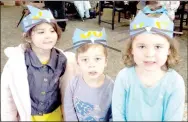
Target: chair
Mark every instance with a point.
(181, 12)
(114, 10)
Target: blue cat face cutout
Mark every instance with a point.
(142, 23)
(37, 16)
(81, 37)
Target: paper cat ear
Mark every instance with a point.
(37, 16)
(76, 36)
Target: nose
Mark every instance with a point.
(91, 64)
(48, 34)
(150, 52)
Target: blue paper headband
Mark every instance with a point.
(81, 37)
(37, 16)
(145, 24)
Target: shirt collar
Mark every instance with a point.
(53, 59)
(56, 59)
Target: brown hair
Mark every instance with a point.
(172, 59)
(54, 25)
(85, 47)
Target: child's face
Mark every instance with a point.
(150, 51)
(92, 62)
(43, 36)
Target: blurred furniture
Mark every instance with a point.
(181, 12)
(8, 3)
(114, 9)
(58, 10)
(117, 6)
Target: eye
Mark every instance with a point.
(40, 32)
(141, 47)
(158, 47)
(97, 59)
(52, 31)
(84, 60)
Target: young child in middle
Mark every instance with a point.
(88, 96)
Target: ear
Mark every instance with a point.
(77, 62)
(106, 62)
(26, 39)
(131, 51)
(23, 34)
(169, 51)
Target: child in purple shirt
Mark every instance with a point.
(88, 96)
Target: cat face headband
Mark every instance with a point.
(37, 16)
(144, 24)
(81, 37)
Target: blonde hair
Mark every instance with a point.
(85, 47)
(172, 59)
(27, 35)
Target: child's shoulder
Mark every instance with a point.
(74, 82)
(59, 52)
(69, 55)
(75, 79)
(126, 77)
(14, 51)
(172, 83)
(127, 71)
(108, 84)
(174, 77)
(65, 53)
(110, 81)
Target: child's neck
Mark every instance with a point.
(43, 55)
(94, 83)
(150, 78)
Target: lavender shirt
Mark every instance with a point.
(83, 103)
